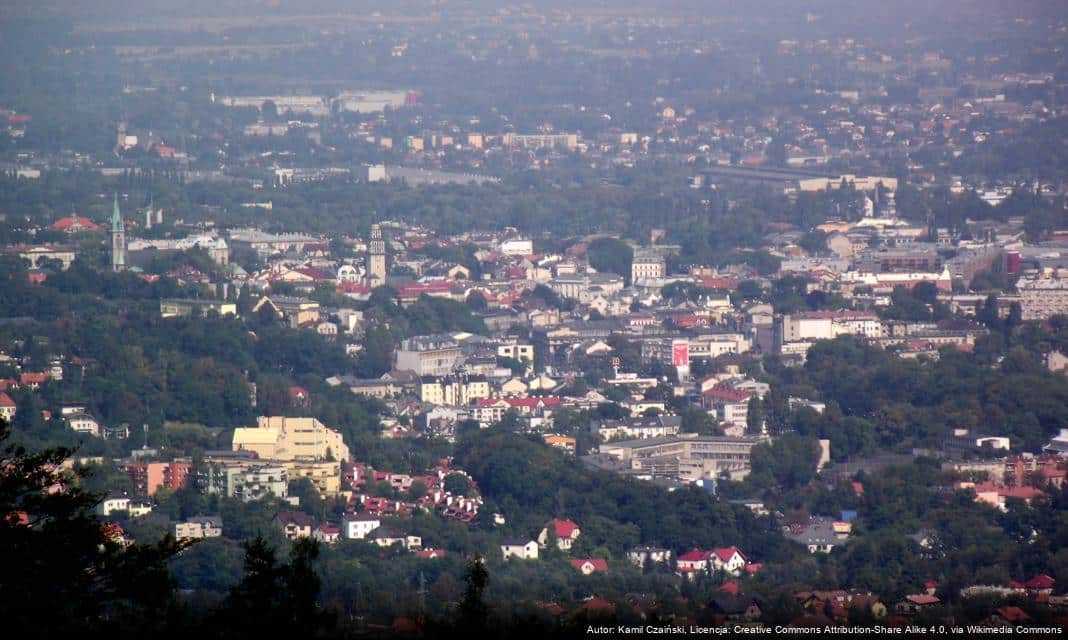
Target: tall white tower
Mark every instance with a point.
(376, 258)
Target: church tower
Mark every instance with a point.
(118, 238)
(376, 258)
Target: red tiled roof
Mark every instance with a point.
(352, 287)
(923, 599)
(726, 553)
(5, 400)
(696, 555)
(35, 378)
(720, 283)
(563, 528)
(599, 564)
(1013, 614)
(429, 554)
(1040, 582)
(596, 603)
(75, 221)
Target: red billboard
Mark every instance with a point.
(680, 353)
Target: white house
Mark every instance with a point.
(7, 407)
(112, 504)
(523, 549)
(84, 423)
(564, 531)
(730, 560)
(359, 526)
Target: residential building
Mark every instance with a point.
(8, 408)
(636, 428)
(83, 423)
(729, 560)
(327, 533)
(565, 532)
(437, 355)
(647, 264)
(685, 456)
(649, 555)
(387, 537)
(587, 566)
(1044, 295)
(113, 503)
(819, 535)
(560, 442)
(453, 390)
(523, 549)
(148, 477)
(516, 350)
(283, 439)
(256, 483)
(294, 524)
(183, 308)
(359, 526)
(540, 141)
(198, 527)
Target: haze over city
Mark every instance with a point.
(429, 318)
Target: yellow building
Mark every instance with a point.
(304, 446)
(281, 438)
(326, 476)
(453, 391)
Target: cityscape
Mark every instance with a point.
(451, 317)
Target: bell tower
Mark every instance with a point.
(376, 258)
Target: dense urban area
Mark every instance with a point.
(351, 319)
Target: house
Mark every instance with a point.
(359, 526)
(913, 604)
(327, 533)
(729, 560)
(294, 524)
(83, 423)
(138, 509)
(388, 536)
(430, 554)
(298, 395)
(733, 607)
(34, 380)
(587, 566)
(564, 531)
(819, 535)
(1009, 617)
(111, 504)
(560, 442)
(648, 555)
(7, 407)
(198, 527)
(693, 562)
(1041, 584)
(523, 549)
(595, 606)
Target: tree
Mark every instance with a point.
(275, 598)
(73, 575)
(611, 255)
(473, 609)
(417, 490)
(754, 417)
(457, 484)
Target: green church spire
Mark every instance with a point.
(118, 238)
